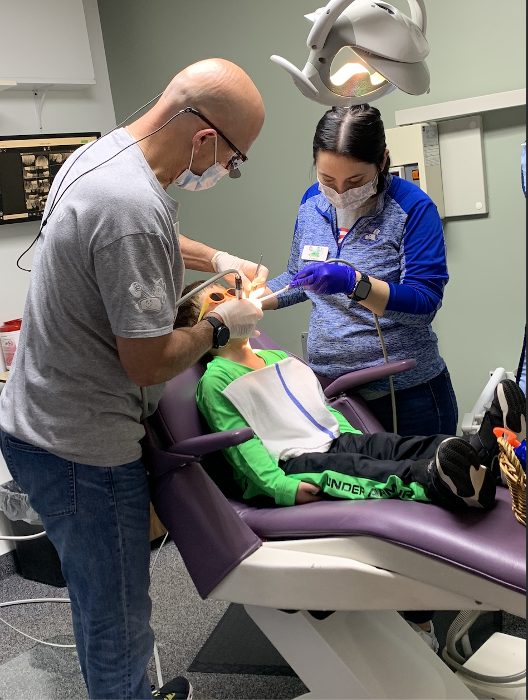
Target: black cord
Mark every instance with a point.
(55, 202)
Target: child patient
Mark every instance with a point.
(304, 450)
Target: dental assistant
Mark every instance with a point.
(391, 231)
(98, 325)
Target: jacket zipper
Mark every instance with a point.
(335, 229)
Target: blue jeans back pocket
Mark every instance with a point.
(48, 480)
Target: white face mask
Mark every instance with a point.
(195, 183)
(351, 199)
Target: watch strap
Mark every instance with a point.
(216, 324)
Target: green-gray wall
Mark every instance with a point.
(477, 48)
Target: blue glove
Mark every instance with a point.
(326, 278)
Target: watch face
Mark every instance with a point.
(223, 336)
(363, 290)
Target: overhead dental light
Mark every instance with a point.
(362, 50)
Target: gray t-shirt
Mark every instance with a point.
(107, 264)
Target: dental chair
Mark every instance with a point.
(352, 564)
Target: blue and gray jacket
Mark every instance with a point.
(403, 244)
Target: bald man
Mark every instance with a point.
(98, 325)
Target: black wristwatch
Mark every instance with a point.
(221, 334)
(362, 288)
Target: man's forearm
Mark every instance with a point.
(157, 360)
(197, 256)
(185, 348)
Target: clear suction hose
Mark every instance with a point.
(459, 630)
(215, 278)
(383, 348)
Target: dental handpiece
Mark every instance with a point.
(238, 286)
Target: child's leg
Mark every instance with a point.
(388, 446)
(358, 467)
(449, 468)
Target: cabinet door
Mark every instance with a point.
(45, 42)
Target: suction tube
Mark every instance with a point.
(384, 350)
(215, 278)
(458, 631)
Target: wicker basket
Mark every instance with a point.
(516, 478)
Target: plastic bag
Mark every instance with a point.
(15, 504)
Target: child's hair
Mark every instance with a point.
(189, 312)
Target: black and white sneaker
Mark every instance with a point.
(507, 410)
(177, 689)
(458, 477)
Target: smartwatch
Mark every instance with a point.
(221, 334)
(362, 288)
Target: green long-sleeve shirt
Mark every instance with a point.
(253, 468)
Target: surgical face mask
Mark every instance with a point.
(195, 183)
(351, 199)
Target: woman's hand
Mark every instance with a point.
(326, 278)
(331, 278)
(307, 493)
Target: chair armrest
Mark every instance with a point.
(366, 376)
(204, 444)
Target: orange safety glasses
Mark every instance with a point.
(214, 300)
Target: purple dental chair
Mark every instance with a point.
(362, 559)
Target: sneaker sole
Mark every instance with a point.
(513, 406)
(475, 486)
(172, 696)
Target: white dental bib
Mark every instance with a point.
(286, 408)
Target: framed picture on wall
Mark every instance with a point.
(28, 166)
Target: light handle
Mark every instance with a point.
(323, 25)
(335, 8)
(419, 14)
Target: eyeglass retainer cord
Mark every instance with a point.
(57, 198)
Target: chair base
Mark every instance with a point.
(359, 656)
(502, 655)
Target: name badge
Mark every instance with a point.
(315, 253)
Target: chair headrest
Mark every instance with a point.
(178, 410)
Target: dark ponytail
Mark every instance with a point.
(356, 132)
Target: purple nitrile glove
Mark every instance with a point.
(326, 278)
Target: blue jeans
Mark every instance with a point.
(427, 409)
(99, 521)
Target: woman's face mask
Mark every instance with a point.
(195, 183)
(353, 198)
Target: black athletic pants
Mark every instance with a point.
(368, 463)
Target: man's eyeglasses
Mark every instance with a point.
(239, 158)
